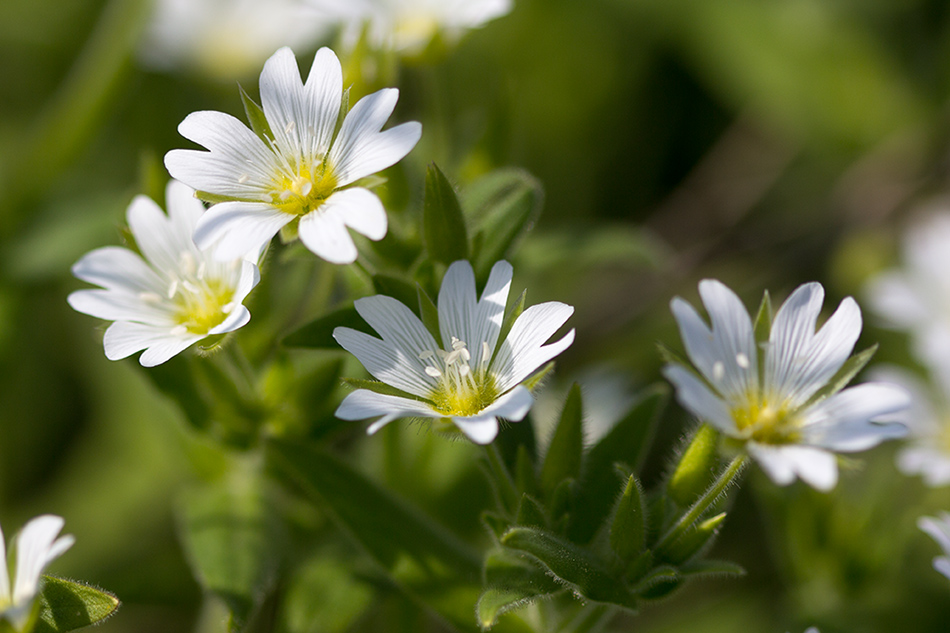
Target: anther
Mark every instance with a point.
(243, 179)
(742, 360)
(718, 370)
(178, 330)
(432, 371)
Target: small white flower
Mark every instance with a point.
(939, 529)
(470, 377)
(916, 299)
(769, 405)
(36, 547)
(927, 452)
(174, 297)
(227, 39)
(407, 26)
(302, 173)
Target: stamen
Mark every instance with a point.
(178, 330)
(285, 195)
(718, 371)
(432, 371)
(243, 178)
(173, 288)
(742, 360)
(150, 297)
(486, 352)
(290, 127)
(426, 354)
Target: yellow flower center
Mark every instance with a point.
(200, 301)
(305, 191)
(765, 422)
(461, 390)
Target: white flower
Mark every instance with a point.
(916, 299)
(927, 452)
(227, 39)
(302, 173)
(36, 547)
(773, 404)
(174, 297)
(470, 377)
(407, 26)
(939, 529)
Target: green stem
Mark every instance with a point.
(503, 483)
(591, 619)
(702, 504)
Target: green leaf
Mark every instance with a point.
(430, 314)
(712, 569)
(255, 117)
(421, 557)
(563, 459)
(396, 288)
(532, 383)
(692, 541)
(233, 541)
(843, 376)
(562, 499)
(510, 317)
(444, 231)
(659, 583)
(627, 442)
(495, 602)
(696, 469)
(525, 477)
(318, 334)
(628, 528)
(505, 205)
(530, 512)
(763, 320)
(66, 605)
(212, 198)
(569, 565)
(511, 582)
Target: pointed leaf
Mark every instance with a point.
(66, 605)
(532, 383)
(318, 334)
(627, 442)
(510, 317)
(562, 499)
(495, 602)
(712, 569)
(530, 512)
(444, 230)
(628, 528)
(511, 582)
(525, 477)
(696, 468)
(849, 370)
(569, 564)
(505, 204)
(255, 117)
(563, 459)
(659, 583)
(429, 313)
(763, 320)
(692, 541)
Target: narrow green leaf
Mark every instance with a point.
(66, 605)
(843, 376)
(510, 317)
(396, 288)
(692, 541)
(696, 468)
(511, 582)
(627, 442)
(232, 541)
(495, 602)
(212, 198)
(532, 383)
(255, 117)
(318, 334)
(530, 512)
(429, 313)
(659, 583)
(446, 238)
(763, 320)
(569, 564)
(505, 205)
(712, 569)
(562, 500)
(563, 459)
(496, 523)
(628, 528)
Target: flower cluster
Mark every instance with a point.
(778, 399)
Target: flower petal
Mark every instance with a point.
(523, 352)
(302, 117)
(816, 467)
(124, 338)
(235, 229)
(113, 305)
(117, 268)
(843, 422)
(4, 571)
(693, 394)
(799, 362)
(37, 547)
(238, 164)
(482, 427)
(160, 240)
(361, 149)
(470, 320)
(892, 296)
(938, 529)
(725, 354)
(363, 403)
(324, 230)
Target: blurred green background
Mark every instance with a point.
(762, 142)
